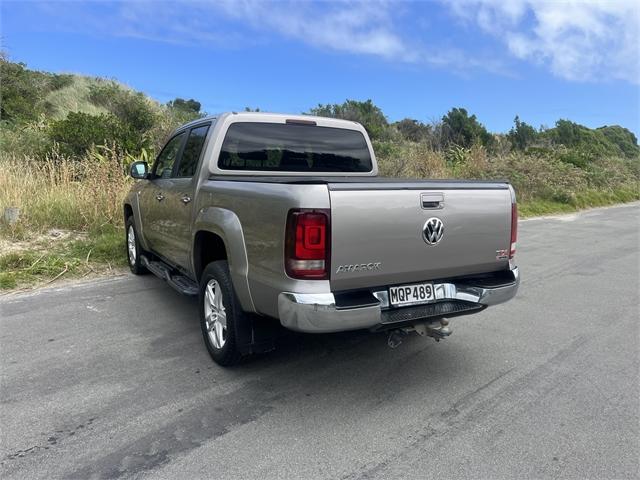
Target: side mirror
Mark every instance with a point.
(139, 170)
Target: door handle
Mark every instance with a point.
(430, 201)
(186, 198)
(159, 196)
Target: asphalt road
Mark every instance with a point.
(111, 379)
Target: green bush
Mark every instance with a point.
(591, 143)
(79, 132)
(23, 92)
(576, 156)
(622, 138)
(20, 92)
(132, 108)
(24, 139)
(61, 81)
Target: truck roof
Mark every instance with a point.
(262, 116)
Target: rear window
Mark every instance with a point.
(293, 148)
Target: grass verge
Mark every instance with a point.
(581, 201)
(47, 260)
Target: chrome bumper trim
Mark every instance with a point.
(317, 312)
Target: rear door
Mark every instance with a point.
(177, 208)
(393, 234)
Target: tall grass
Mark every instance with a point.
(74, 98)
(85, 196)
(57, 192)
(539, 177)
(70, 216)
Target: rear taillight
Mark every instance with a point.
(308, 244)
(514, 229)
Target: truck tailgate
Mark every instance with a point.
(377, 232)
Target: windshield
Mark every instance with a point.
(293, 148)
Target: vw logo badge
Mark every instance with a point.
(433, 231)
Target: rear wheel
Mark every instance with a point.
(134, 251)
(220, 314)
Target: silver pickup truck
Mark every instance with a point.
(281, 220)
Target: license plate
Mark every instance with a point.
(411, 294)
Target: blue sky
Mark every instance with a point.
(542, 60)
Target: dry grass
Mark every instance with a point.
(538, 177)
(75, 98)
(78, 195)
(71, 210)
(70, 217)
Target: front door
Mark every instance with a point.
(179, 199)
(153, 196)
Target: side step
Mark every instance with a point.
(184, 285)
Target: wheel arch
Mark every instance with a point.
(131, 208)
(128, 211)
(217, 235)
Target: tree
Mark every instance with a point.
(413, 130)
(365, 113)
(190, 106)
(464, 130)
(521, 134)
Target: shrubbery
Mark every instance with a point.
(79, 132)
(23, 92)
(31, 124)
(65, 142)
(553, 164)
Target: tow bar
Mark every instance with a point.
(437, 330)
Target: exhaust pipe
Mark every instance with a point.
(436, 330)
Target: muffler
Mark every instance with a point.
(437, 330)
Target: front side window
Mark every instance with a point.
(293, 148)
(192, 151)
(165, 161)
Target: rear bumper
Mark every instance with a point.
(318, 313)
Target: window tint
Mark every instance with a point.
(167, 157)
(293, 148)
(192, 150)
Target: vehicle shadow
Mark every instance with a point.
(357, 363)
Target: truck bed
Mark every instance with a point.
(366, 183)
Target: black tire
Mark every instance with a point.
(227, 353)
(133, 259)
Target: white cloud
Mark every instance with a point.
(361, 27)
(355, 27)
(579, 40)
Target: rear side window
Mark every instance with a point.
(164, 163)
(293, 148)
(192, 151)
